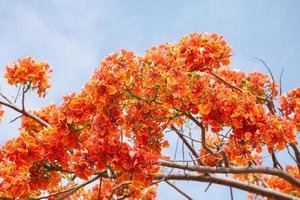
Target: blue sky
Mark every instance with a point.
(73, 36)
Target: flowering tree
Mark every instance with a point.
(112, 133)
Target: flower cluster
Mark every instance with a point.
(116, 124)
(29, 73)
(290, 106)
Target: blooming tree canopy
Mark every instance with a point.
(107, 141)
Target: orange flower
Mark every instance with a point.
(29, 73)
(117, 123)
(290, 105)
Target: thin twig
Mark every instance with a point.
(203, 140)
(227, 83)
(231, 193)
(4, 97)
(207, 187)
(11, 121)
(17, 96)
(297, 155)
(280, 81)
(289, 152)
(178, 190)
(276, 163)
(270, 72)
(192, 139)
(69, 191)
(188, 145)
(236, 88)
(226, 135)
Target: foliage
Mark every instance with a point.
(112, 133)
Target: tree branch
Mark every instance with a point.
(181, 136)
(203, 140)
(99, 189)
(189, 146)
(25, 113)
(237, 88)
(117, 187)
(276, 163)
(229, 182)
(235, 170)
(70, 191)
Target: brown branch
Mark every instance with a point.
(70, 191)
(235, 170)
(178, 190)
(217, 180)
(276, 163)
(226, 82)
(18, 117)
(4, 97)
(117, 187)
(192, 139)
(225, 158)
(23, 97)
(181, 136)
(189, 146)
(297, 155)
(235, 87)
(229, 182)
(203, 140)
(25, 113)
(25, 90)
(73, 190)
(99, 190)
(289, 152)
(231, 193)
(207, 187)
